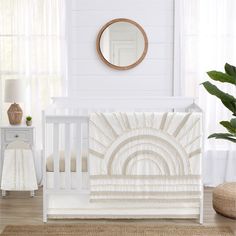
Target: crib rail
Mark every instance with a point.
(82, 107)
(64, 137)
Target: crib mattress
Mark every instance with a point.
(50, 162)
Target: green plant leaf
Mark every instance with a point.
(222, 77)
(225, 136)
(230, 106)
(230, 70)
(233, 122)
(228, 126)
(221, 135)
(228, 100)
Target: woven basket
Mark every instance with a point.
(224, 199)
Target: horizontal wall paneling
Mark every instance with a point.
(90, 77)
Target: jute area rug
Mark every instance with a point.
(108, 229)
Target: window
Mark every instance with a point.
(32, 47)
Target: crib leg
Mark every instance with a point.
(201, 208)
(201, 220)
(45, 205)
(201, 213)
(44, 208)
(32, 193)
(45, 218)
(4, 193)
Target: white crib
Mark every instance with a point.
(66, 191)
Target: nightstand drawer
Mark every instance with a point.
(14, 135)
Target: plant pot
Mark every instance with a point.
(29, 122)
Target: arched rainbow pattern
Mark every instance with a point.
(166, 140)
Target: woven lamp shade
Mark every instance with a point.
(14, 93)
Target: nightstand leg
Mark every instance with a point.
(3, 193)
(32, 193)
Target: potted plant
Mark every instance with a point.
(229, 101)
(224, 195)
(28, 120)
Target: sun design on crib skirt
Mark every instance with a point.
(144, 143)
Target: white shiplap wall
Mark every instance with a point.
(90, 78)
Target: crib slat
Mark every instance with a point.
(79, 157)
(56, 155)
(67, 156)
(87, 144)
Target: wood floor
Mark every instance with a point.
(19, 208)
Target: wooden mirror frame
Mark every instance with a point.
(99, 39)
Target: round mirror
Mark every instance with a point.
(122, 44)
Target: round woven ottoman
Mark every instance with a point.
(224, 199)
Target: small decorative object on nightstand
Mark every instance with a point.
(14, 92)
(9, 136)
(28, 120)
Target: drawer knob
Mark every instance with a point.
(16, 136)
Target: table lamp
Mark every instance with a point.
(14, 93)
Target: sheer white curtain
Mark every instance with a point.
(207, 36)
(32, 48)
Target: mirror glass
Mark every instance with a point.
(122, 44)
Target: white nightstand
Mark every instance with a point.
(10, 134)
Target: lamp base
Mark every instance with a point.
(15, 114)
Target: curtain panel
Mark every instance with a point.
(206, 36)
(33, 48)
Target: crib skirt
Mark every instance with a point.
(18, 171)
